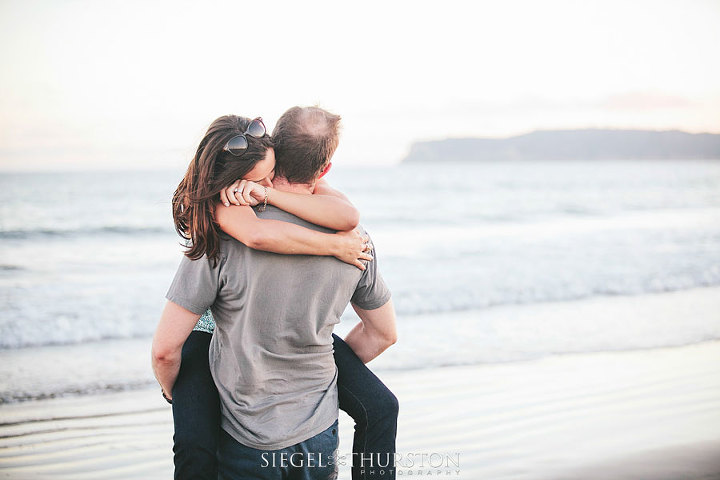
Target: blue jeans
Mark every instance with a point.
(312, 459)
(196, 413)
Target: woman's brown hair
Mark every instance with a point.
(211, 170)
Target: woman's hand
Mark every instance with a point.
(351, 247)
(243, 192)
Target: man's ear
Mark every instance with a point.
(325, 170)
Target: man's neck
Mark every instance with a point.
(282, 184)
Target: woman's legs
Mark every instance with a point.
(196, 412)
(374, 408)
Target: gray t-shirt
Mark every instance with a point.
(271, 355)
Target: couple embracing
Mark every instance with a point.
(244, 349)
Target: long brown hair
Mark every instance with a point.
(211, 170)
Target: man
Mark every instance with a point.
(271, 354)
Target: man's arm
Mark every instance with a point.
(375, 332)
(175, 326)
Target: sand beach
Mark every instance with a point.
(646, 414)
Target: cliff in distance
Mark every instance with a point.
(587, 144)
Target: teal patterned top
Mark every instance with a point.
(206, 323)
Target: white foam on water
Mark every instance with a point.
(454, 244)
(502, 334)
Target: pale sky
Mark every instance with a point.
(120, 84)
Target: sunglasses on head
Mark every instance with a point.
(238, 144)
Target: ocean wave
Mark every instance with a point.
(10, 268)
(31, 234)
(14, 396)
(427, 302)
(504, 334)
(93, 324)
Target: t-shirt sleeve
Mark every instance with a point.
(371, 292)
(195, 284)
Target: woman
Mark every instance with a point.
(235, 147)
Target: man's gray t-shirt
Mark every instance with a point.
(271, 355)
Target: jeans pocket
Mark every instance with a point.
(330, 443)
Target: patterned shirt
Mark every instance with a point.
(206, 323)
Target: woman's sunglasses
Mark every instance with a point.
(238, 144)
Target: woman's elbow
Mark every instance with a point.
(349, 221)
(354, 219)
(257, 240)
(253, 237)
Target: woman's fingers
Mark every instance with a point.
(229, 196)
(238, 185)
(355, 249)
(247, 192)
(252, 200)
(366, 245)
(238, 193)
(365, 253)
(359, 264)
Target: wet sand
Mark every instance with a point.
(647, 414)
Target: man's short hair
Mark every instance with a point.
(305, 140)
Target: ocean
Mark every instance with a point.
(488, 262)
